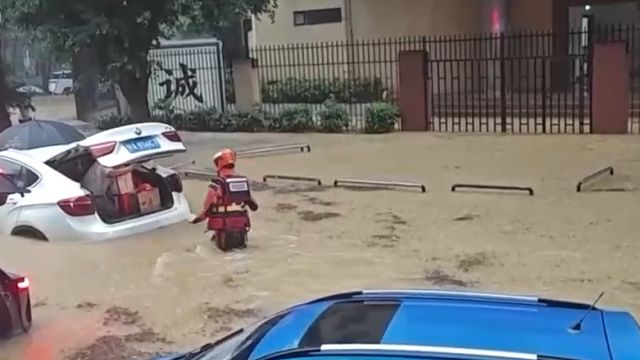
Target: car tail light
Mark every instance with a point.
(175, 183)
(172, 136)
(79, 206)
(23, 283)
(100, 150)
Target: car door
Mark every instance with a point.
(134, 144)
(23, 177)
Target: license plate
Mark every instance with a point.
(141, 144)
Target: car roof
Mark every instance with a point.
(19, 155)
(45, 153)
(444, 319)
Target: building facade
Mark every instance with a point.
(308, 21)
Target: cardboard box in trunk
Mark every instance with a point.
(124, 184)
(149, 201)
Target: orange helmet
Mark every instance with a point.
(225, 158)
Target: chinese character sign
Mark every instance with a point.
(188, 74)
(185, 85)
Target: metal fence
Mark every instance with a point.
(357, 74)
(527, 82)
(510, 83)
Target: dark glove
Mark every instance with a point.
(253, 205)
(198, 219)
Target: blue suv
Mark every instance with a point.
(403, 324)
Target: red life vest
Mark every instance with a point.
(233, 190)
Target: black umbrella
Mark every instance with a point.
(38, 133)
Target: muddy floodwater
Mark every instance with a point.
(171, 290)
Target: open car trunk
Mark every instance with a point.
(149, 192)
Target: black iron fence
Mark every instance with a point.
(356, 74)
(513, 83)
(527, 82)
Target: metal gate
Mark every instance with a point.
(510, 83)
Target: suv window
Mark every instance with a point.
(19, 174)
(61, 75)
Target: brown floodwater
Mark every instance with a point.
(171, 289)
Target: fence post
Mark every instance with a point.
(414, 90)
(503, 85)
(246, 84)
(610, 91)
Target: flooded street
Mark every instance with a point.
(171, 289)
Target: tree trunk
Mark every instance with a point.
(85, 74)
(135, 89)
(5, 119)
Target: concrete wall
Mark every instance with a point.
(389, 18)
(283, 31)
(530, 14)
(372, 19)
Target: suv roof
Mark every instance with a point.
(456, 320)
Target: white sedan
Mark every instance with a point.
(55, 207)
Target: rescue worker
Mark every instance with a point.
(225, 164)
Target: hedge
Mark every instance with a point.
(332, 118)
(316, 91)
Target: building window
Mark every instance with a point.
(315, 17)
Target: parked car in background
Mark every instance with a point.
(413, 324)
(56, 206)
(61, 83)
(15, 304)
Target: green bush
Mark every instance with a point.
(316, 91)
(333, 117)
(205, 119)
(255, 121)
(113, 121)
(293, 119)
(381, 118)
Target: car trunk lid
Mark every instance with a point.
(124, 145)
(134, 143)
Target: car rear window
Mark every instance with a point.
(350, 322)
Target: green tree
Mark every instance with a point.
(9, 97)
(122, 32)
